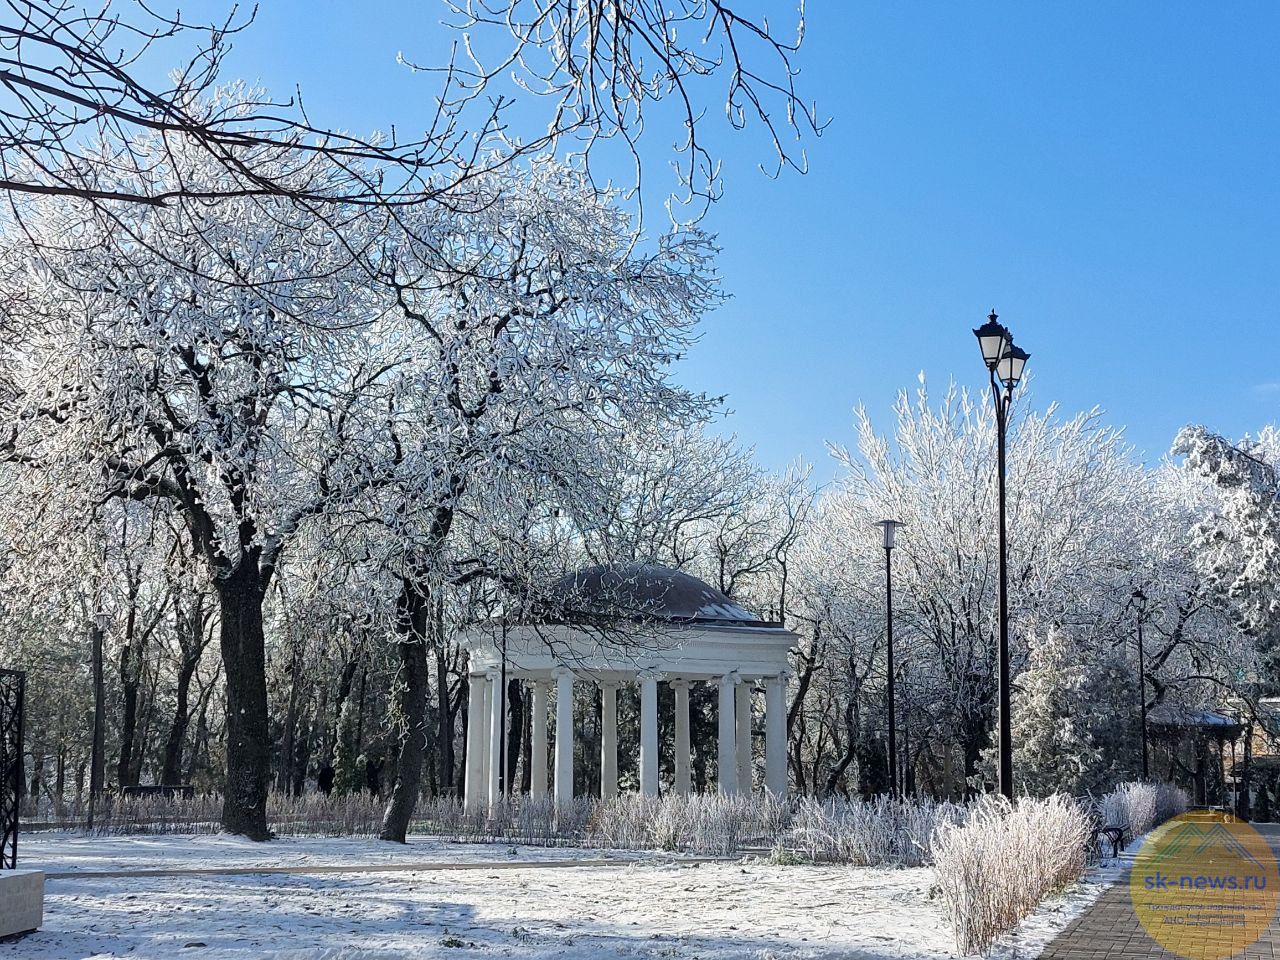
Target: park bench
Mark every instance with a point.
(166, 790)
(1117, 836)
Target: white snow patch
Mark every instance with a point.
(643, 909)
(65, 852)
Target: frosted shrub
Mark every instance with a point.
(314, 814)
(714, 824)
(995, 867)
(625, 823)
(874, 833)
(669, 825)
(880, 832)
(1172, 801)
(707, 824)
(1141, 807)
(198, 814)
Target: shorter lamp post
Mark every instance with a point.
(97, 751)
(1005, 364)
(502, 712)
(1141, 598)
(889, 527)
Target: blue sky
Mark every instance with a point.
(1106, 175)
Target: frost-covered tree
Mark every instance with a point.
(1071, 487)
(1055, 717)
(266, 384)
(74, 77)
(212, 360)
(1238, 538)
(698, 502)
(533, 331)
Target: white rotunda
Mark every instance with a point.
(630, 623)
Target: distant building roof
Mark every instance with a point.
(1191, 718)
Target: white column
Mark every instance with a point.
(727, 760)
(497, 727)
(564, 735)
(475, 737)
(775, 735)
(486, 707)
(743, 711)
(538, 744)
(608, 740)
(648, 735)
(683, 753)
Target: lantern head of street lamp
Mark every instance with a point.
(994, 339)
(1011, 366)
(889, 526)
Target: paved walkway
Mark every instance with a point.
(1109, 930)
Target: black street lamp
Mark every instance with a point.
(1141, 598)
(502, 713)
(1005, 365)
(97, 752)
(889, 527)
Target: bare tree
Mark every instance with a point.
(608, 67)
(75, 76)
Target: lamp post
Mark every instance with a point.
(502, 712)
(908, 772)
(97, 751)
(1005, 365)
(889, 527)
(1141, 598)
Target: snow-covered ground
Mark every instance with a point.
(60, 852)
(508, 906)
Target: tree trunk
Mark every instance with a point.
(37, 773)
(244, 802)
(526, 747)
(60, 784)
(346, 736)
(850, 752)
(515, 731)
(128, 718)
(146, 718)
(975, 737)
(411, 706)
(130, 669)
(171, 774)
(288, 750)
(1244, 776)
(200, 739)
(444, 716)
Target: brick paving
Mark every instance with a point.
(1109, 929)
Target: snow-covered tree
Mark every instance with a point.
(1238, 538)
(1054, 718)
(1071, 484)
(266, 383)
